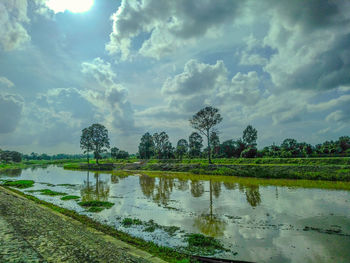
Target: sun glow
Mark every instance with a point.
(74, 6)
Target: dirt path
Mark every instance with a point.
(33, 233)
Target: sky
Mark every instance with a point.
(147, 66)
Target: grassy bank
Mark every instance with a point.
(262, 161)
(328, 173)
(168, 254)
(31, 163)
(234, 181)
(328, 169)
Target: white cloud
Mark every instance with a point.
(5, 83)
(10, 112)
(109, 97)
(196, 78)
(311, 43)
(170, 24)
(12, 24)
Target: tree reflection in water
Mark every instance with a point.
(163, 190)
(197, 188)
(159, 192)
(210, 224)
(11, 172)
(147, 185)
(253, 195)
(98, 191)
(182, 184)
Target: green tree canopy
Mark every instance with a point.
(162, 145)
(250, 135)
(181, 148)
(204, 120)
(195, 144)
(95, 139)
(146, 146)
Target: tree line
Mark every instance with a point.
(95, 139)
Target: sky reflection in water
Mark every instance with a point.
(261, 223)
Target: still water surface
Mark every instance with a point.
(254, 222)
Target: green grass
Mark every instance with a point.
(70, 197)
(249, 181)
(165, 253)
(22, 184)
(149, 226)
(95, 206)
(95, 209)
(46, 192)
(262, 161)
(127, 222)
(328, 173)
(96, 203)
(198, 243)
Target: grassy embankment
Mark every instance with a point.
(329, 169)
(166, 253)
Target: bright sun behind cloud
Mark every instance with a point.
(74, 6)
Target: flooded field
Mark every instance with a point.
(254, 221)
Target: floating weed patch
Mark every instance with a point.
(95, 206)
(48, 184)
(149, 226)
(96, 203)
(19, 184)
(198, 243)
(131, 221)
(70, 197)
(46, 192)
(67, 185)
(95, 209)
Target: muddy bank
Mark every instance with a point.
(47, 236)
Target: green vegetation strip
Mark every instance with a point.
(330, 185)
(33, 163)
(166, 253)
(46, 192)
(262, 161)
(19, 183)
(149, 226)
(95, 206)
(70, 197)
(200, 243)
(327, 173)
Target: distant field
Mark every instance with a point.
(263, 161)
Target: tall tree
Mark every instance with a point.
(204, 120)
(96, 137)
(181, 148)
(250, 135)
(114, 152)
(215, 143)
(195, 144)
(161, 144)
(146, 146)
(85, 142)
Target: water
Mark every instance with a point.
(256, 221)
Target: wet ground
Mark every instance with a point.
(261, 223)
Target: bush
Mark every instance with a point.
(249, 153)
